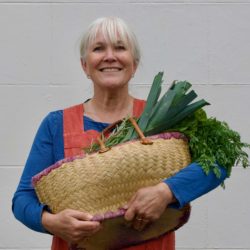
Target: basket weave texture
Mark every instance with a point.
(100, 183)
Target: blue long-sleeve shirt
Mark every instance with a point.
(48, 148)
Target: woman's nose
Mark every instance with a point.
(109, 54)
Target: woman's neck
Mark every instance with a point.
(109, 107)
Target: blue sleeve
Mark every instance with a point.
(192, 182)
(25, 204)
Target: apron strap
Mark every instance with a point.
(75, 138)
(138, 107)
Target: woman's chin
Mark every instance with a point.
(112, 84)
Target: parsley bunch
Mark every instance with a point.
(213, 143)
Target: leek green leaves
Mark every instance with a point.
(174, 105)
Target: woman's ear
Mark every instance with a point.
(84, 66)
(135, 67)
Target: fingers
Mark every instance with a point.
(81, 232)
(131, 210)
(140, 222)
(130, 213)
(88, 226)
(84, 229)
(82, 220)
(72, 225)
(80, 215)
(147, 205)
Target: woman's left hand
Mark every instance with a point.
(148, 204)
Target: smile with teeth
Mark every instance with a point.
(110, 69)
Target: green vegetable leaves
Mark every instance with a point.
(174, 106)
(153, 96)
(212, 142)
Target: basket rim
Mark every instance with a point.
(166, 136)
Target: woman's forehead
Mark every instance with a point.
(109, 38)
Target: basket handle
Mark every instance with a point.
(144, 140)
(103, 148)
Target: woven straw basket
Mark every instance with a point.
(102, 183)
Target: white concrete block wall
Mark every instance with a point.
(205, 42)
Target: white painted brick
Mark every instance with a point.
(25, 44)
(23, 109)
(13, 233)
(194, 233)
(229, 41)
(17, 2)
(228, 213)
(229, 103)
(128, 1)
(26, 248)
(218, 217)
(203, 248)
(184, 1)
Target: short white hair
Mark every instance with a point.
(111, 28)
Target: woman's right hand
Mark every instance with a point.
(70, 225)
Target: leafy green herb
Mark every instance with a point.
(212, 142)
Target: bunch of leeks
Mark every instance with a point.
(173, 107)
(160, 114)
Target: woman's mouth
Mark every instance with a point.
(110, 69)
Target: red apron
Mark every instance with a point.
(75, 139)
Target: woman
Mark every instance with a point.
(109, 56)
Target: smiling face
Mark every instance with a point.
(109, 64)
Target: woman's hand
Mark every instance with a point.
(148, 204)
(70, 225)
